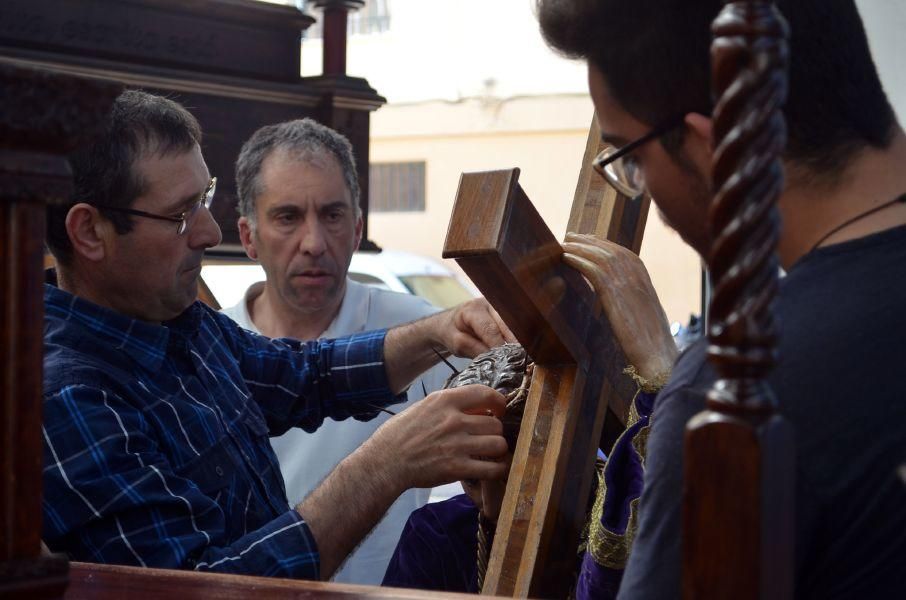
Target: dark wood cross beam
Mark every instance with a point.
(501, 242)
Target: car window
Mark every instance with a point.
(440, 290)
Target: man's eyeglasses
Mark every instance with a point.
(622, 171)
(206, 198)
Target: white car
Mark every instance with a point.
(229, 277)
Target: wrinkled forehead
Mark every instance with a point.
(284, 163)
(318, 157)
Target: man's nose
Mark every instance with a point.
(204, 232)
(314, 241)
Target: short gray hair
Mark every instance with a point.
(304, 139)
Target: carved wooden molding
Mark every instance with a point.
(197, 35)
(37, 129)
(45, 111)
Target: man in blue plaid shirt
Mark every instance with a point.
(157, 409)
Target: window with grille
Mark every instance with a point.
(374, 17)
(396, 187)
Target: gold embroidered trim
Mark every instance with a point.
(633, 417)
(606, 547)
(648, 385)
(640, 444)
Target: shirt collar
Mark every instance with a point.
(144, 342)
(351, 318)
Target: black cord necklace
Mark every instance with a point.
(900, 198)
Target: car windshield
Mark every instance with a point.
(441, 291)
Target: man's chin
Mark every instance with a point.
(184, 299)
(308, 299)
(695, 240)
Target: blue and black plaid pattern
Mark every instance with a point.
(156, 449)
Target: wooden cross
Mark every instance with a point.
(501, 242)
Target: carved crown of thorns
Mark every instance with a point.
(508, 370)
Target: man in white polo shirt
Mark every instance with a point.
(301, 219)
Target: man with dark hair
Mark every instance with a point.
(843, 247)
(157, 409)
(104, 176)
(300, 219)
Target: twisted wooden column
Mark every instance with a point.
(739, 462)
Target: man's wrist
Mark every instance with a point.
(376, 460)
(431, 331)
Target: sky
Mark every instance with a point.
(454, 49)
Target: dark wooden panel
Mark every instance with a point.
(234, 37)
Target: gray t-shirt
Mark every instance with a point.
(841, 382)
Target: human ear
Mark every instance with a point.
(245, 236)
(88, 231)
(697, 144)
(700, 127)
(359, 223)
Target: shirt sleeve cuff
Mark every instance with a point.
(285, 547)
(359, 375)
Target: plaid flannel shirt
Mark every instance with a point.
(156, 449)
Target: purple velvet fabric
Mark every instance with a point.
(623, 480)
(438, 548)
(597, 582)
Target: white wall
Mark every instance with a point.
(885, 22)
(545, 137)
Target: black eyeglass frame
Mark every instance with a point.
(600, 162)
(206, 198)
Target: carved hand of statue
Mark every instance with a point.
(474, 327)
(624, 289)
(448, 436)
